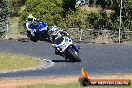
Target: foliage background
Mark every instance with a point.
(3, 16)
(65, 14)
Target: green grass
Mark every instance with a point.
(14, 61)
(73, 85)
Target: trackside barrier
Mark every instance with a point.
(99, 36)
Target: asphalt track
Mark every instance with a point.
(96, 58)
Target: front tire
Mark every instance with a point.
(71, 54)
(32, 38)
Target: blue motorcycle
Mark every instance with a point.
(40, 30)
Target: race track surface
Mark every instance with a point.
(96, 58)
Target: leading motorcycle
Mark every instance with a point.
(40, 30)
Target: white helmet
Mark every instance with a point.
(54, 29)
(30, 17)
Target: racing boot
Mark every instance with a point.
(57, 52)
(32, 33)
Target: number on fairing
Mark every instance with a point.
(66, 39)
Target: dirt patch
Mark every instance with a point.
(103, 39)
(15, 36)
(19, 82)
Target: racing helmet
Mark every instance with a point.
(54, 29)
(30, 17)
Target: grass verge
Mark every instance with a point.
(15, 61)
(59, 81)
(72, 85)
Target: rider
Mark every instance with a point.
(55, 33)
(62, 32)
(29, 22)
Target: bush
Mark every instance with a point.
(3, 16)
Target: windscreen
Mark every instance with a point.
(59, 40)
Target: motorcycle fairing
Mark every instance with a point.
(42, 26)
(64, 44)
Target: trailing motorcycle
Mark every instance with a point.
(40, 30)
(66, 47)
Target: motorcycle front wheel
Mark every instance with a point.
(32, 38)
(72, 54)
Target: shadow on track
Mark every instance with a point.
(23, 40)
(61, 61)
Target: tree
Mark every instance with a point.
(114, 19)
(126, 14)
(68, 5)
(91, 2)
(104, 3)
(76, 19)
(14, 6)
(3, 16)
(50, 11)
(99, 20)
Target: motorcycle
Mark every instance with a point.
(66, 47)
(40, 30)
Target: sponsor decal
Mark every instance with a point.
(86, 81)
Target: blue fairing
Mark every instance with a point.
(76, 47)
(35, 26)
(59, 46)
(40, 25)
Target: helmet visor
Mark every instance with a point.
(30, 19)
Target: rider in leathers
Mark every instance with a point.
(56, 33)
(29, 22)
